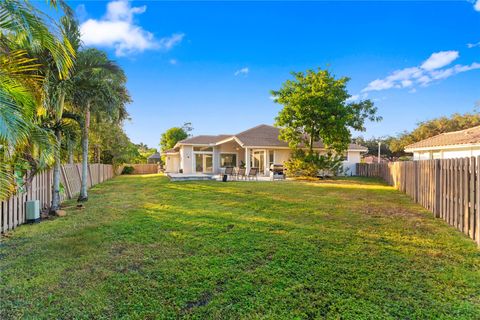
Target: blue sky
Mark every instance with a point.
(214, 63)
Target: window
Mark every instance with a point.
(203, 149)
(344, 156)
(228, 160)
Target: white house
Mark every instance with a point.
(257, 147)
(456, 144)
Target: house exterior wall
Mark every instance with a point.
(281, 156)
(184, 160)
(172, 163)
(447, 153)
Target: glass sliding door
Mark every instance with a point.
(203, 162)
(258, 160)
(207, 163)
(198, 162)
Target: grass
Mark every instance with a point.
(146, 248)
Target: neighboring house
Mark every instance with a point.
(154, 158)
(256, 147)
(457, 144)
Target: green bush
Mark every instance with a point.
(314, 165)
(128, 170)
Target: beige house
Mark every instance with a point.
(257, 147)
(456, 144)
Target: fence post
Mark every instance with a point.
(437, 189)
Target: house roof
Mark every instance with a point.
(455, 138)
(205, 139)
(156, 155)
(260, 136)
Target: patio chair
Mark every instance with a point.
(253, 173)
(240, 174)
(229, 172)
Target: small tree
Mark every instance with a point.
(170, 137)
(316, 107)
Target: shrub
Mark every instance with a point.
(128, 170)
(313, 165)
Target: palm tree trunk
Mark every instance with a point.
(56, 174)
(83, 190)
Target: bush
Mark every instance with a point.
(314, 165)
(128, 170)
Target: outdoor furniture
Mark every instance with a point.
(253, 173)
(240, 173)
(277, 172)
(228, 172)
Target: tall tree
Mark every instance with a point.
(316, 107)
(100, 89)
(24, 33)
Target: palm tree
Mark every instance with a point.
(99, 90)
(23, 30)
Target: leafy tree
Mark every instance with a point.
(316, 107)
(372, 145)
(99, 89)
(25, 145)
(430, 128)
(170, 137)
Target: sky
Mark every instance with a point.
(214, 63)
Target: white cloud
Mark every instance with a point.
(169, 42)
(440, 59)
(430, 71)
(473, 45)
(244, 71)
(357, 97)
(477, 5)
(118, 30)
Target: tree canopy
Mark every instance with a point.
(430, 128)
(316, 107)
(170, 137)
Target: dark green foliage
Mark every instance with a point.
(304, 164)
(315, 107)
(128, 170)
(170, 137)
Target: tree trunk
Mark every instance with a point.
(83, 190)
(56, 174)
(311, 141)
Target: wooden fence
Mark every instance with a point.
(12, 210)
(140, 168)
(450, 188)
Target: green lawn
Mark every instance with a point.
(147, 248)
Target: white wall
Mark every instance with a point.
(186, 156)
(447, 153)
(350, 165)
(172, 163)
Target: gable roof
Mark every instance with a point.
(156, 155)
(204, 139)
(260, 136)
(455, 138)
